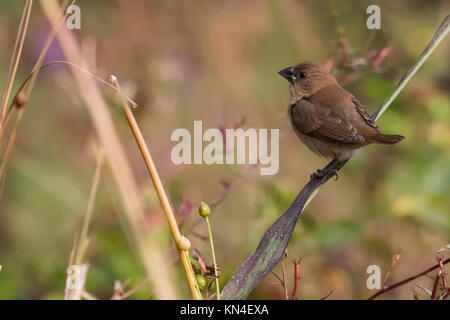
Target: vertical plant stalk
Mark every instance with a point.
(21, 98)
(48, 42)
(15, 58)
(156, 266)
(84, 240)
(81, 245)
(270, 249)
(4, 115)
(214, 258)
(181, 242)
(8, 150)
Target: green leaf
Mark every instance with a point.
(272, 246)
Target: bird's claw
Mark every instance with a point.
(335, 173)
(317, 175)
(320, 173)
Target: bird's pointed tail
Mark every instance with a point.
(387, 138)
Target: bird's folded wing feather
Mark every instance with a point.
(328, 124)
(367, 118)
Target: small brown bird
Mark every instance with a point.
(328, 119)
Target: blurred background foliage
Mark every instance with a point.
(217, 61)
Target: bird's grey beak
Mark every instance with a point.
(287, 73)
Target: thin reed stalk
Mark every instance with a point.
(153, 259)
(181, 242)
(15, 58)
(8, 150)
(24, 92)
(84, 240)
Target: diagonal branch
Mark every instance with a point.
(404, 281)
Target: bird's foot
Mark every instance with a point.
(317, 175)
(320, 173)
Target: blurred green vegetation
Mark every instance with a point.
(217, 61)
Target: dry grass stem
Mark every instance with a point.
(183, 250)
(152, 257)
(84, 240)
(15, 58)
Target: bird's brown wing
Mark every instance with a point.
(367, 118)
(308, 117)
(328, 124)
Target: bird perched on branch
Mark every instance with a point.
(328, 119)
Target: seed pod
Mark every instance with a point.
(19, 100)
(204, 210)
(201, 281)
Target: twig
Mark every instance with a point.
(400, 283)
(283, 272)
(395, 259)
(380, 57)
(435, 286)
(136, 288)
(296, 278)
(36, 70)
(201, 261)
(427, 291)
(329, 294)
(446, 294)
(181, 242)
(279, 279)
(442, 273)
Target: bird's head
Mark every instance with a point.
(307, 78)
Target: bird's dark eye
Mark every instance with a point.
(303, 75)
